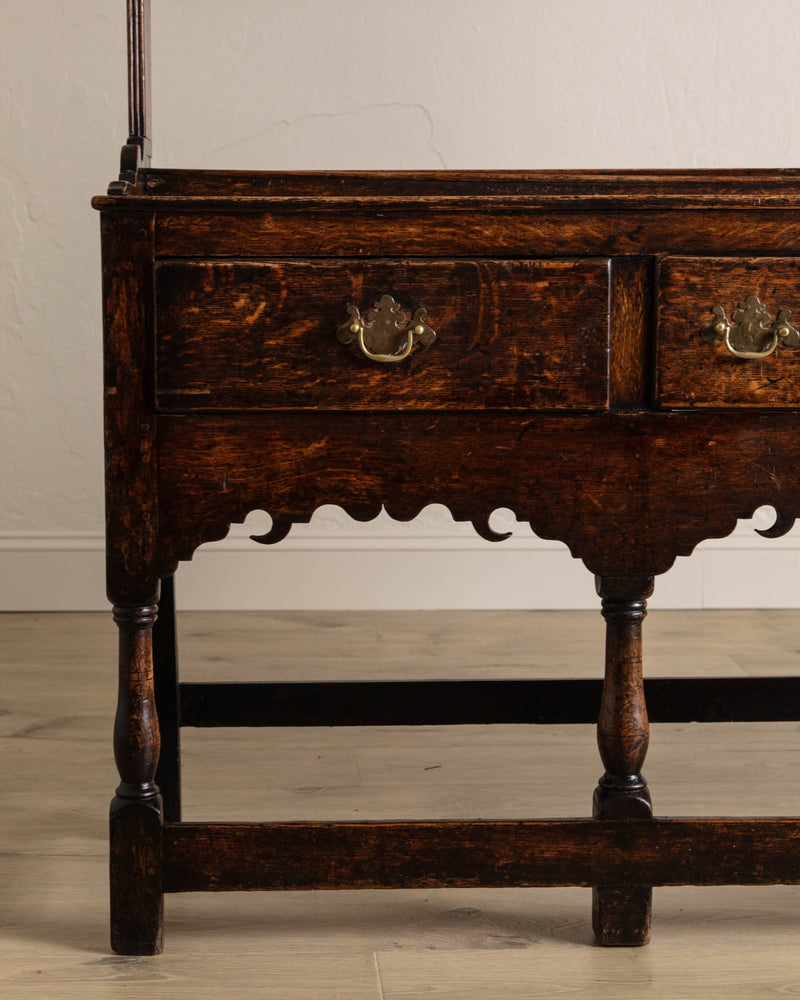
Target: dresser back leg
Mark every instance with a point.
(167, 693)
(621, 915)
(137, 909)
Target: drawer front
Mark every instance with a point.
(508, 335)
(696, 366)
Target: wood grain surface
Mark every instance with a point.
(510, 335)
(411, 227)
(428, 854)
(693, 373)
(626, 492)
(537, 396)
(129, 406)
(628, 188)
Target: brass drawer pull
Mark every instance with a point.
(750, 334)
(391, 336)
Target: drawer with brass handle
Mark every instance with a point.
(725, 332)
(382, 335)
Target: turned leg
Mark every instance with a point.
(165, 673)
(621, 915)
(137, 908)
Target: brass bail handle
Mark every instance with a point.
(384, 334)
(750, 333)
(385, 358)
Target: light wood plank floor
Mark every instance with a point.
(56, 707)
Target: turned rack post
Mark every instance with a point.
(137, 151)
(139, 105)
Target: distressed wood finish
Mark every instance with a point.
(133, 585)
(137, 901)
(623, 729)
(259, 422)
(509, 334)
(640, 189)
(693, 373)
(512, 227)
(630, 361)
(663, 481)
(568, 307)
(621, 914)
(753, 851)
(130, 422)
(166, 689)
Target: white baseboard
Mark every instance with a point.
(396, 570)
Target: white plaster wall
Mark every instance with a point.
(284, 84)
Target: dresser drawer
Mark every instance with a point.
(754, 298)
(508, 334)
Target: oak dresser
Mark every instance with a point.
(609, 355)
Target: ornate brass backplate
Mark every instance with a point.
(385, 333)
(751, 333)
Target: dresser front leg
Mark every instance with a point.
(137, 908)
(621, 915)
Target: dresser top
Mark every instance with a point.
(556, 189)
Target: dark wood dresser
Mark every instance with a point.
(609, 355)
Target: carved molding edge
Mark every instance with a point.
(683, 542)
(282, 523)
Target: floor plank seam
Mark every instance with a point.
(381, 995)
